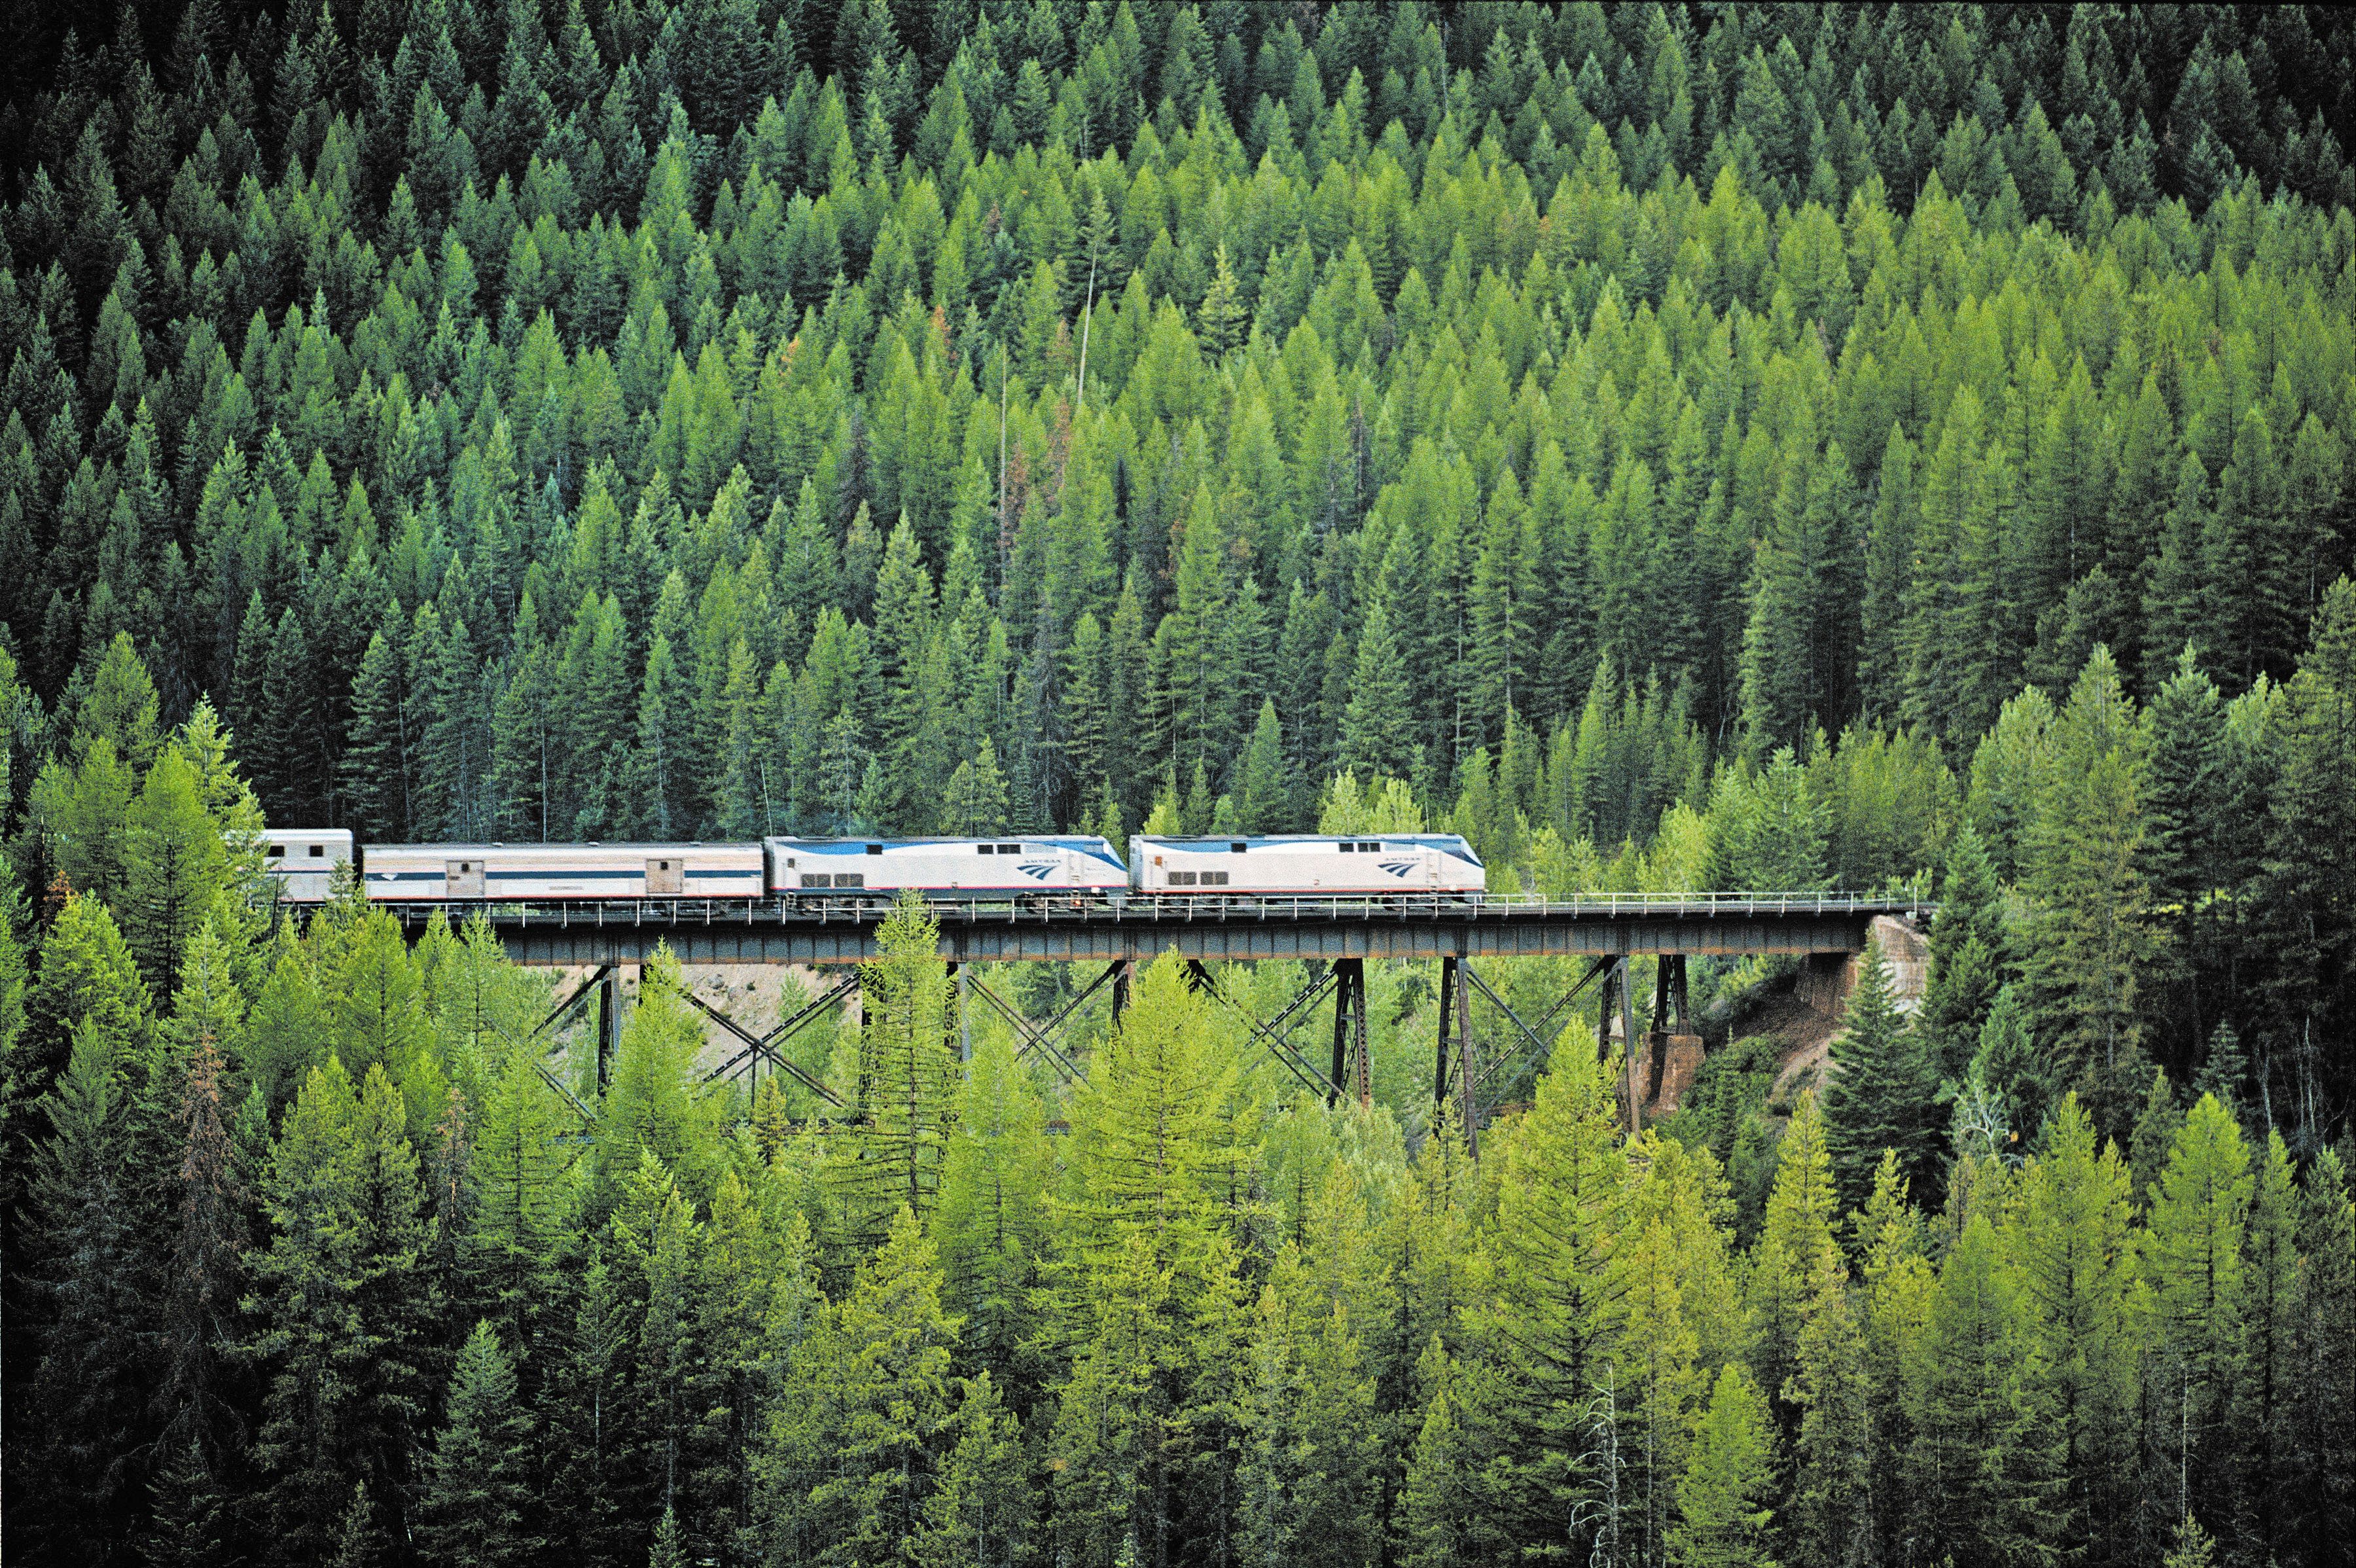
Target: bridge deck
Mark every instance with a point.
(1210, 928)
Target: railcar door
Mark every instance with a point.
(464, 879)
(666, 877)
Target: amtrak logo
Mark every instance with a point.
(1400, 868)
(1036, 870)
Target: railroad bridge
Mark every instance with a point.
(1334, 936)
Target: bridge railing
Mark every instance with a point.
(1180, 909)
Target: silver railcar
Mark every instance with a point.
(1312, 864)
(301, 862)
(398, 873)
(1013, 866)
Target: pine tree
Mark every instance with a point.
(1897, 1280)
(178, 870)
(207, 1266)
(1264, 789)
(2194, 1268)
(1966, 946)
(1146, 1295)
(1555, 1320)
(1680, 1298)
(988, 1225)
(580, 1404)
(88, 978)
(359, 1540)
(472, 1515)
(2273, 1377)
(192, 1521)
(377, 763)
(1982, 1458)
(1796, 1253)
(1434, 1527)
(519, 1170)
(1305, 1486)
(866, 1419)
(2320, 1509)
(2091, 932)
(1723, 1501)
(655, 1102)
(975, 803)
(980, 1509)
(1378, 725)
(1879, 1089)
(91, 1384)
(908, 1076)
(344, 1301)
(2075, 1249)
(668, 1551)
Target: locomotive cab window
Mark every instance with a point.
(985, 849)
(1010, 849)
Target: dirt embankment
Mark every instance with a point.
(1805, 1019)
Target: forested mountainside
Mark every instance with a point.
(1674, 446)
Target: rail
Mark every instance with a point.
(1152, 910)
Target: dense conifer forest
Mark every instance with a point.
(1675, 447)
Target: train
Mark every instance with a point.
(302, 865)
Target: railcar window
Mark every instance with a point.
(1347, 847)
(277, 852)
(318, 852)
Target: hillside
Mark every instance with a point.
(1675, 447)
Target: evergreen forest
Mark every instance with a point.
(1892, 449)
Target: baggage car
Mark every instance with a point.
(396, 873)
(301, 862)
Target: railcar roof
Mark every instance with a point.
(1297, 838)
(1060, 841)
(458, 849)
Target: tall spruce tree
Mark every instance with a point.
(345, 1304)
(1878, 1093)
(2194, 1267)
(472, 1514)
